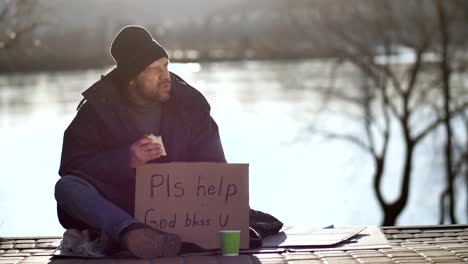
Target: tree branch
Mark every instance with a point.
(349, 138)
(438, 121)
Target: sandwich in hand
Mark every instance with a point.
(157, 140)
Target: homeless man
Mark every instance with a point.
(106, 141)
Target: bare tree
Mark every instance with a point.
(368, 35)
(446, 91)
(18, 19)
(449, 13)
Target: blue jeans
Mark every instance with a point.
(83, 202)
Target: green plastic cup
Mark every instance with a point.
(229, 241)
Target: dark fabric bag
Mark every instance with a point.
(262, 225)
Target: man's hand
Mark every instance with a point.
(143, 151)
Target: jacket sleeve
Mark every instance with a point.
(83, 153)
(205, 143)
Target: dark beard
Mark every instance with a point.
(141, 93)
(156, 96)
(160, 97)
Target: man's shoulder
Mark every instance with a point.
(85, 116)
(103, 89)
(100, 96)
(186, 95)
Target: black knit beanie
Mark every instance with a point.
(133, 49)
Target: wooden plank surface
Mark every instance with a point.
(409, 244)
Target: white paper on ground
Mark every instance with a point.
(369, 238)
(311, 236)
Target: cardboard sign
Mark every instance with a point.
(194, 200)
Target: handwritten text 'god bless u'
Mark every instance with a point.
(190, 220)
